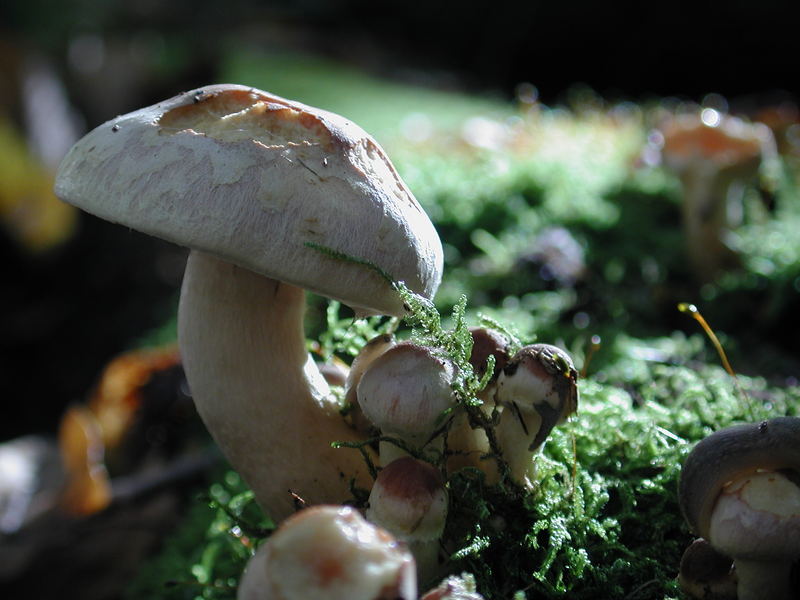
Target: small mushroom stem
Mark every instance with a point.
(256, 388)
(706, 221)
(759, 579)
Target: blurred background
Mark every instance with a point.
(78, 291)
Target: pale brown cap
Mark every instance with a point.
(255, 179)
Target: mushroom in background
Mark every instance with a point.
(738, 490)
(255, 185)
(404, 393)
(714, 156)
(537, 390)
(409, 500)
(329, 553)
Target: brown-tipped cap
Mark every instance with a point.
(485, 343)
(258, 180)
(540, 377)
(728, 453)
(410, 500)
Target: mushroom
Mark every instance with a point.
(405, 393)
(713, 155)
(369, 352)
(706, 574)
(738, 490)
(409, 500)
(329, 553)
(537, 390)
(470, 446)
(258, 187)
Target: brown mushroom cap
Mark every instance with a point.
(485, 343)
(706, 573)
(728, 143)
(255, 179)
(409, 500)
(405, 390)
(729, 453)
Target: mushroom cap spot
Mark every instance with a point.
(331, 553)
(731, 453)
(409, 499)
(258, 180)
(405, 391)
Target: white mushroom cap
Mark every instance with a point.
(253, 178)
(329, 553)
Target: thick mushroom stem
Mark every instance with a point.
(256, 389)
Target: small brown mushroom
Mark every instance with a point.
(405, 393)
(738, 490)
(537, 390)
(329, 553)
(706, 574)
(80, 440)
(409, 500)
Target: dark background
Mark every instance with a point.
(65, 313)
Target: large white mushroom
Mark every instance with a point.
(254, 184)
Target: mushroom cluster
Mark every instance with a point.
(739, 492)
(269, 195)
(273, 197)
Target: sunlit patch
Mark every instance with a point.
(710, 117)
